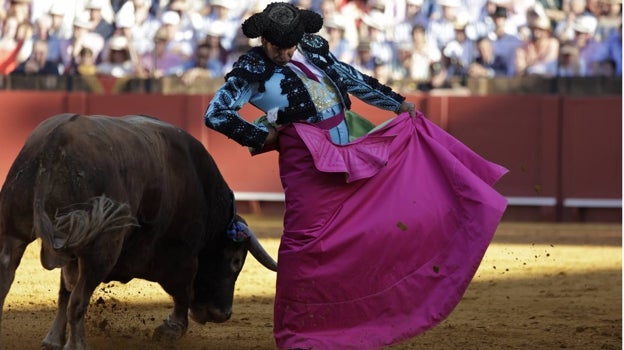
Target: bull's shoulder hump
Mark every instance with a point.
(146, 120)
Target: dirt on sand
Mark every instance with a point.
(540, 286)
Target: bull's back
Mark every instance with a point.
(70, 158)
(84, 156)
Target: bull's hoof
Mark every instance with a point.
(169, 330)
(49, 346)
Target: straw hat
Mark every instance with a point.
(461, 21)
(222, 3)
(94, 5)
(82, 22)
(170, 17)
(415, 2)
(333, 23)
(585, 24)
(217, 31)
(541, 22)
(124, 19)
(57, 9)
(118, 43)
(449, 3)
(375, 19)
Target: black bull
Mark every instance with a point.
(117, 199)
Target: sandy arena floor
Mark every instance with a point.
(540, 286)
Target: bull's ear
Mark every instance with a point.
(257, 250)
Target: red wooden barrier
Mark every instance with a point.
(519, 132)
(563, 153)
(591, 161)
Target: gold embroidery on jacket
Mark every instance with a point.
(323, 93)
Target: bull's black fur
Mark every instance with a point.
(169, 203)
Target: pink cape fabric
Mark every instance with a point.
(381, 236)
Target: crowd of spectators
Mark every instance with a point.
(427, 42)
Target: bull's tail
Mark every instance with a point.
(78, 227)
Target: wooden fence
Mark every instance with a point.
(564, 152)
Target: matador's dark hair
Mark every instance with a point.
(282, 24)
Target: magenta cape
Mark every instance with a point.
(381, 236)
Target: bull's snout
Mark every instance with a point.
(203, 314)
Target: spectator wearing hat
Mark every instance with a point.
(474, 11)
(588, 47)
(461, 51)
(486, 24)
(38, 8)
(217, 54)
(43, 31)
(563, 29)
(457, 56)
(135, 21)
(37, 63)
(331, 13)
(61, 27)
(162, 61)
(118, 61)
(223, 16)
(539, 56)
(533, 14)
(82, 36)
(505, 40)
(338, 44)
(519, 12)
(400, 65)
(210, 60)
(179, 42)
(414, 15)
(382, 71)
(441, 30)
(569, 62)
(364, 59)
(98, 23)
(424, 56)
(375, 25)
(191, 22)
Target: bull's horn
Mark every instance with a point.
(257, 250)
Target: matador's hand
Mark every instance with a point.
(271, 140)
(407, 107)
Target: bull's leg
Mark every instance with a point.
(10, 257)
(56, 336)
(175, 326)
(92, 268)
(91, 274)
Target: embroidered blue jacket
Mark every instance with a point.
(257, 80)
